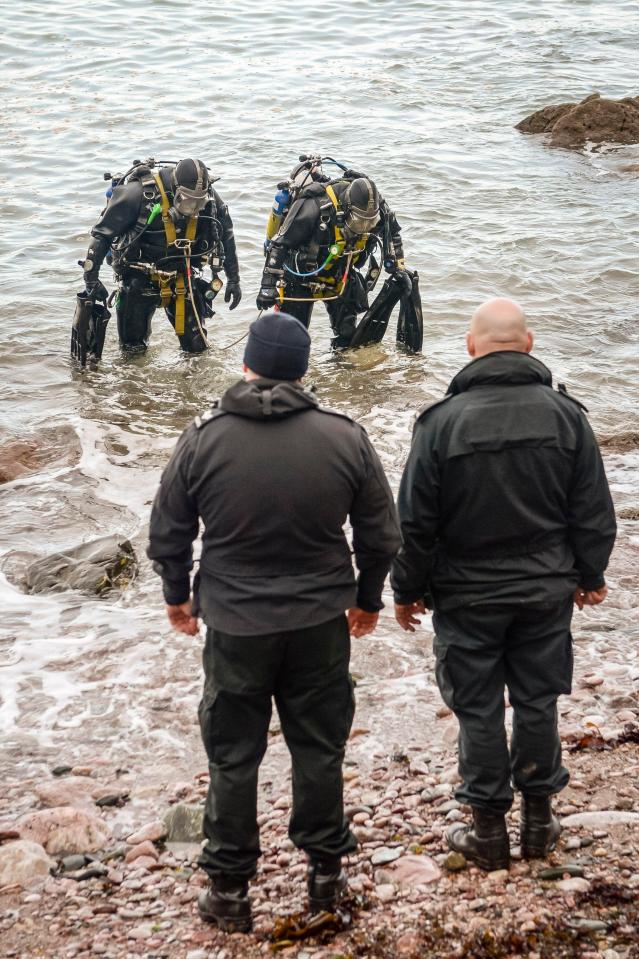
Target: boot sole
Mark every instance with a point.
(486, 865)
(226, 923)
(537, 852)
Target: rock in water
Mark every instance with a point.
(23, 862)
(595, 119)
(92, 567)
(49, 449)
(184, 823)
(64, 830)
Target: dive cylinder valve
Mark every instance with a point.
(280, 203)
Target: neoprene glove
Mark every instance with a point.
(266, 297)
(233, 292)
(97, 290)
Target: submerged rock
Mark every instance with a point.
(23, 862)
(51, 448)
(595, 119)
(93, 567)
(64, 830)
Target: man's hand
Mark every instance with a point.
(233, 292)
(406, 615)
(181, 618)
(361, 623)
(589, 597)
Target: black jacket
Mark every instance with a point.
(273, 477)
(504, 497)
(124, 218)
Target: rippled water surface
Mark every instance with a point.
(421, 94)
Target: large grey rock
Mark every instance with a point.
(595, 119)
(184, 823)
(64, 830)
(23, 862)
(93, 567)
(606, 817)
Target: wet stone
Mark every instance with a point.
(384, 855)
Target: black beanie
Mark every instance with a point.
(278, 347)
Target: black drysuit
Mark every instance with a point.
(505, 510)
(274, 477)
(123, 219)
(302, 244)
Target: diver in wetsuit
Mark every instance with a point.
(321, 237)
(162, 226)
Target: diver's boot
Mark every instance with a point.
(539, 829)
(226, 903)
(485, 842)
(327, 884)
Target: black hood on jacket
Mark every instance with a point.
(506, 367)
(258, 399)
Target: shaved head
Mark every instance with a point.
(498, 324)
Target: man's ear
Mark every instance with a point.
(530, 340)
(470, 344)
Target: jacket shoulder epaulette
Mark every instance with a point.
(207, 416)
(432, 406)
(562, 391)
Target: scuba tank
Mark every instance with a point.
(280, 208)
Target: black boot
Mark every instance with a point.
(539, 829)
(226, 903)
(485, 842)
(326, 884)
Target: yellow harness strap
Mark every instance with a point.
(339, 236)
(169, 225)
(166, 293)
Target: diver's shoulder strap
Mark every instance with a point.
(562, 391)
(169, 225)
(421, 416)
(213, 413)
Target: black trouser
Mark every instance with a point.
(138, 298)
(479, 650)
(342, 312)
(306, 672)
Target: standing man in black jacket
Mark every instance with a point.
(274, 477)
(506, 519)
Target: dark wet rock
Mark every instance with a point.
(53, 448)
(93, 567)
(184, 823)
(93, 871)
(73, 863)
(61, 770)
(595, 119)
(113, 799)
(558, 872)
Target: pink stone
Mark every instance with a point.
(415, 870)
(152, 831)
(70, 791)
(65, 830)
(145, 848)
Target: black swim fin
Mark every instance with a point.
(410, 325)
(88, 329)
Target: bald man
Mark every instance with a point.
(507, 521)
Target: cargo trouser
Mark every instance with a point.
(480, 650)
(306, 672)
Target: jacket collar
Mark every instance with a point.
(504, 368)
(258, 399)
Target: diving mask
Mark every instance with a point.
(189, 202)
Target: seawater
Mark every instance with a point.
(423, 95)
